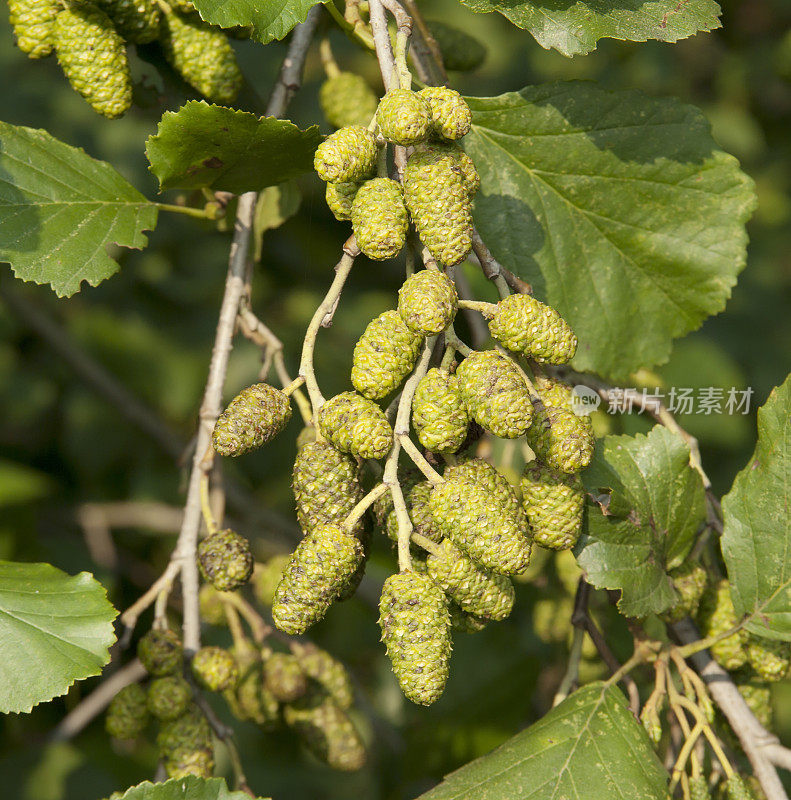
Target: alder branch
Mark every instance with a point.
(761, 747)
(93, 705)
(384, 50)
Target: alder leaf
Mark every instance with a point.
(756, 542)
(60, 209)
(189, 788)
(589, 747)
(574, 27)
(54, 629)
(269, 19)
(650, 475)
(221, 148)
(620, 209)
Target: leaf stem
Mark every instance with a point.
(363, 505)
(704, 644)
(197, 213)
(573, 669)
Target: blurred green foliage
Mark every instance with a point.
(152, 326)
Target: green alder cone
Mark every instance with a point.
(327, 731)
(553, 503)
(326, 487)
(379, 218)
(92, 56)
(560, 395)
(306, 436)
(327, 671)
(439, 415)
(350, 586)
(769, 658)
(136, 20)
(483, 528)
(523, 324)
(356, 425)
(561, 439)
(716, 616)
(699, 788)
(339, 197)
(266, 577)
(758, 696)
(250, 699)
(451, 117)
(495, 393)
(413, 615)
(427, 302)
(185, 745)
(168, 698)
(462, 622)
(403, 117)
(255, 416)
(348, 155)
(689, 581)
(127, 714)
(460, 51)
(736, 789)
(225, 560)
(347, 99)
(34, 25)
(481, 473)
(215, 669)
(284, 677)
(160, 652)
(476, 590)
(437, 195)
(461, 162)
(202, 55)
(384, 355)
(321, 565)
(212, 609)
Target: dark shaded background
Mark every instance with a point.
(152, 326)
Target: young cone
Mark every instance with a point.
(439, 415)
(716, 616)
(347, 155)
(160, 652)
(34, 25)
(127, 714)
(427, 302)
(346, 99)
(225, 560)
(553, 503)
(403, 117)
(379, 218)
(356, 425)
(451, 117)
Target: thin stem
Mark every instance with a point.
(205, 504)
(683, 756)
(384, 51)
(129, 618)
(293, 386)
(328, 59)
(258, 625)
(357, 30)
(704, 644)
(714, 742)
(453, 341)
(234, 624)
(487, 309)
(404, 528)
(432, 476)
(197, 213)
(427, 544)
(573, 669)
(363, 505)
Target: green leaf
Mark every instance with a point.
(234, 151)
(650, 475)
(620, 209)
(576, 27)
(60, 209)
(189, 788)
(756, 542)
(589, 747)
(269, 19)
(274, 206)
(54, 629)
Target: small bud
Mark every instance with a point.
(127, 714)
(215, 669)
(160, 652)
(284, 677)
(168, 697)
(225, 560)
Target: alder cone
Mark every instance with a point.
(327, 671)
(127, 714)
(321, 565)
(34, 24)
(689, 581)
(266, 577)
(416, 631)
(92, 56)
(225, 560)
(451, 117)
(379, 218)
(561, 439)
(348, 155)
(523, 324)
(437, 195)
(769, 658)
(326, 486)
(250, 699)
(202, 55)
(284, 677)
(439, 415)
(384, 355)
(758, 696)
(339, 197)
(553, 503)
(255, 416)
(716, 616)
(160, 652)
(403, 117)
(495, 393)
(136, 20)
(482, 527)
(427, 302)
(416, 496)
(476, 590)
(347, 99)
(327, 731)
(356, 425)
(462, 622)
(168, 698)
(215, 669)
(185, 745)
(481, 473)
